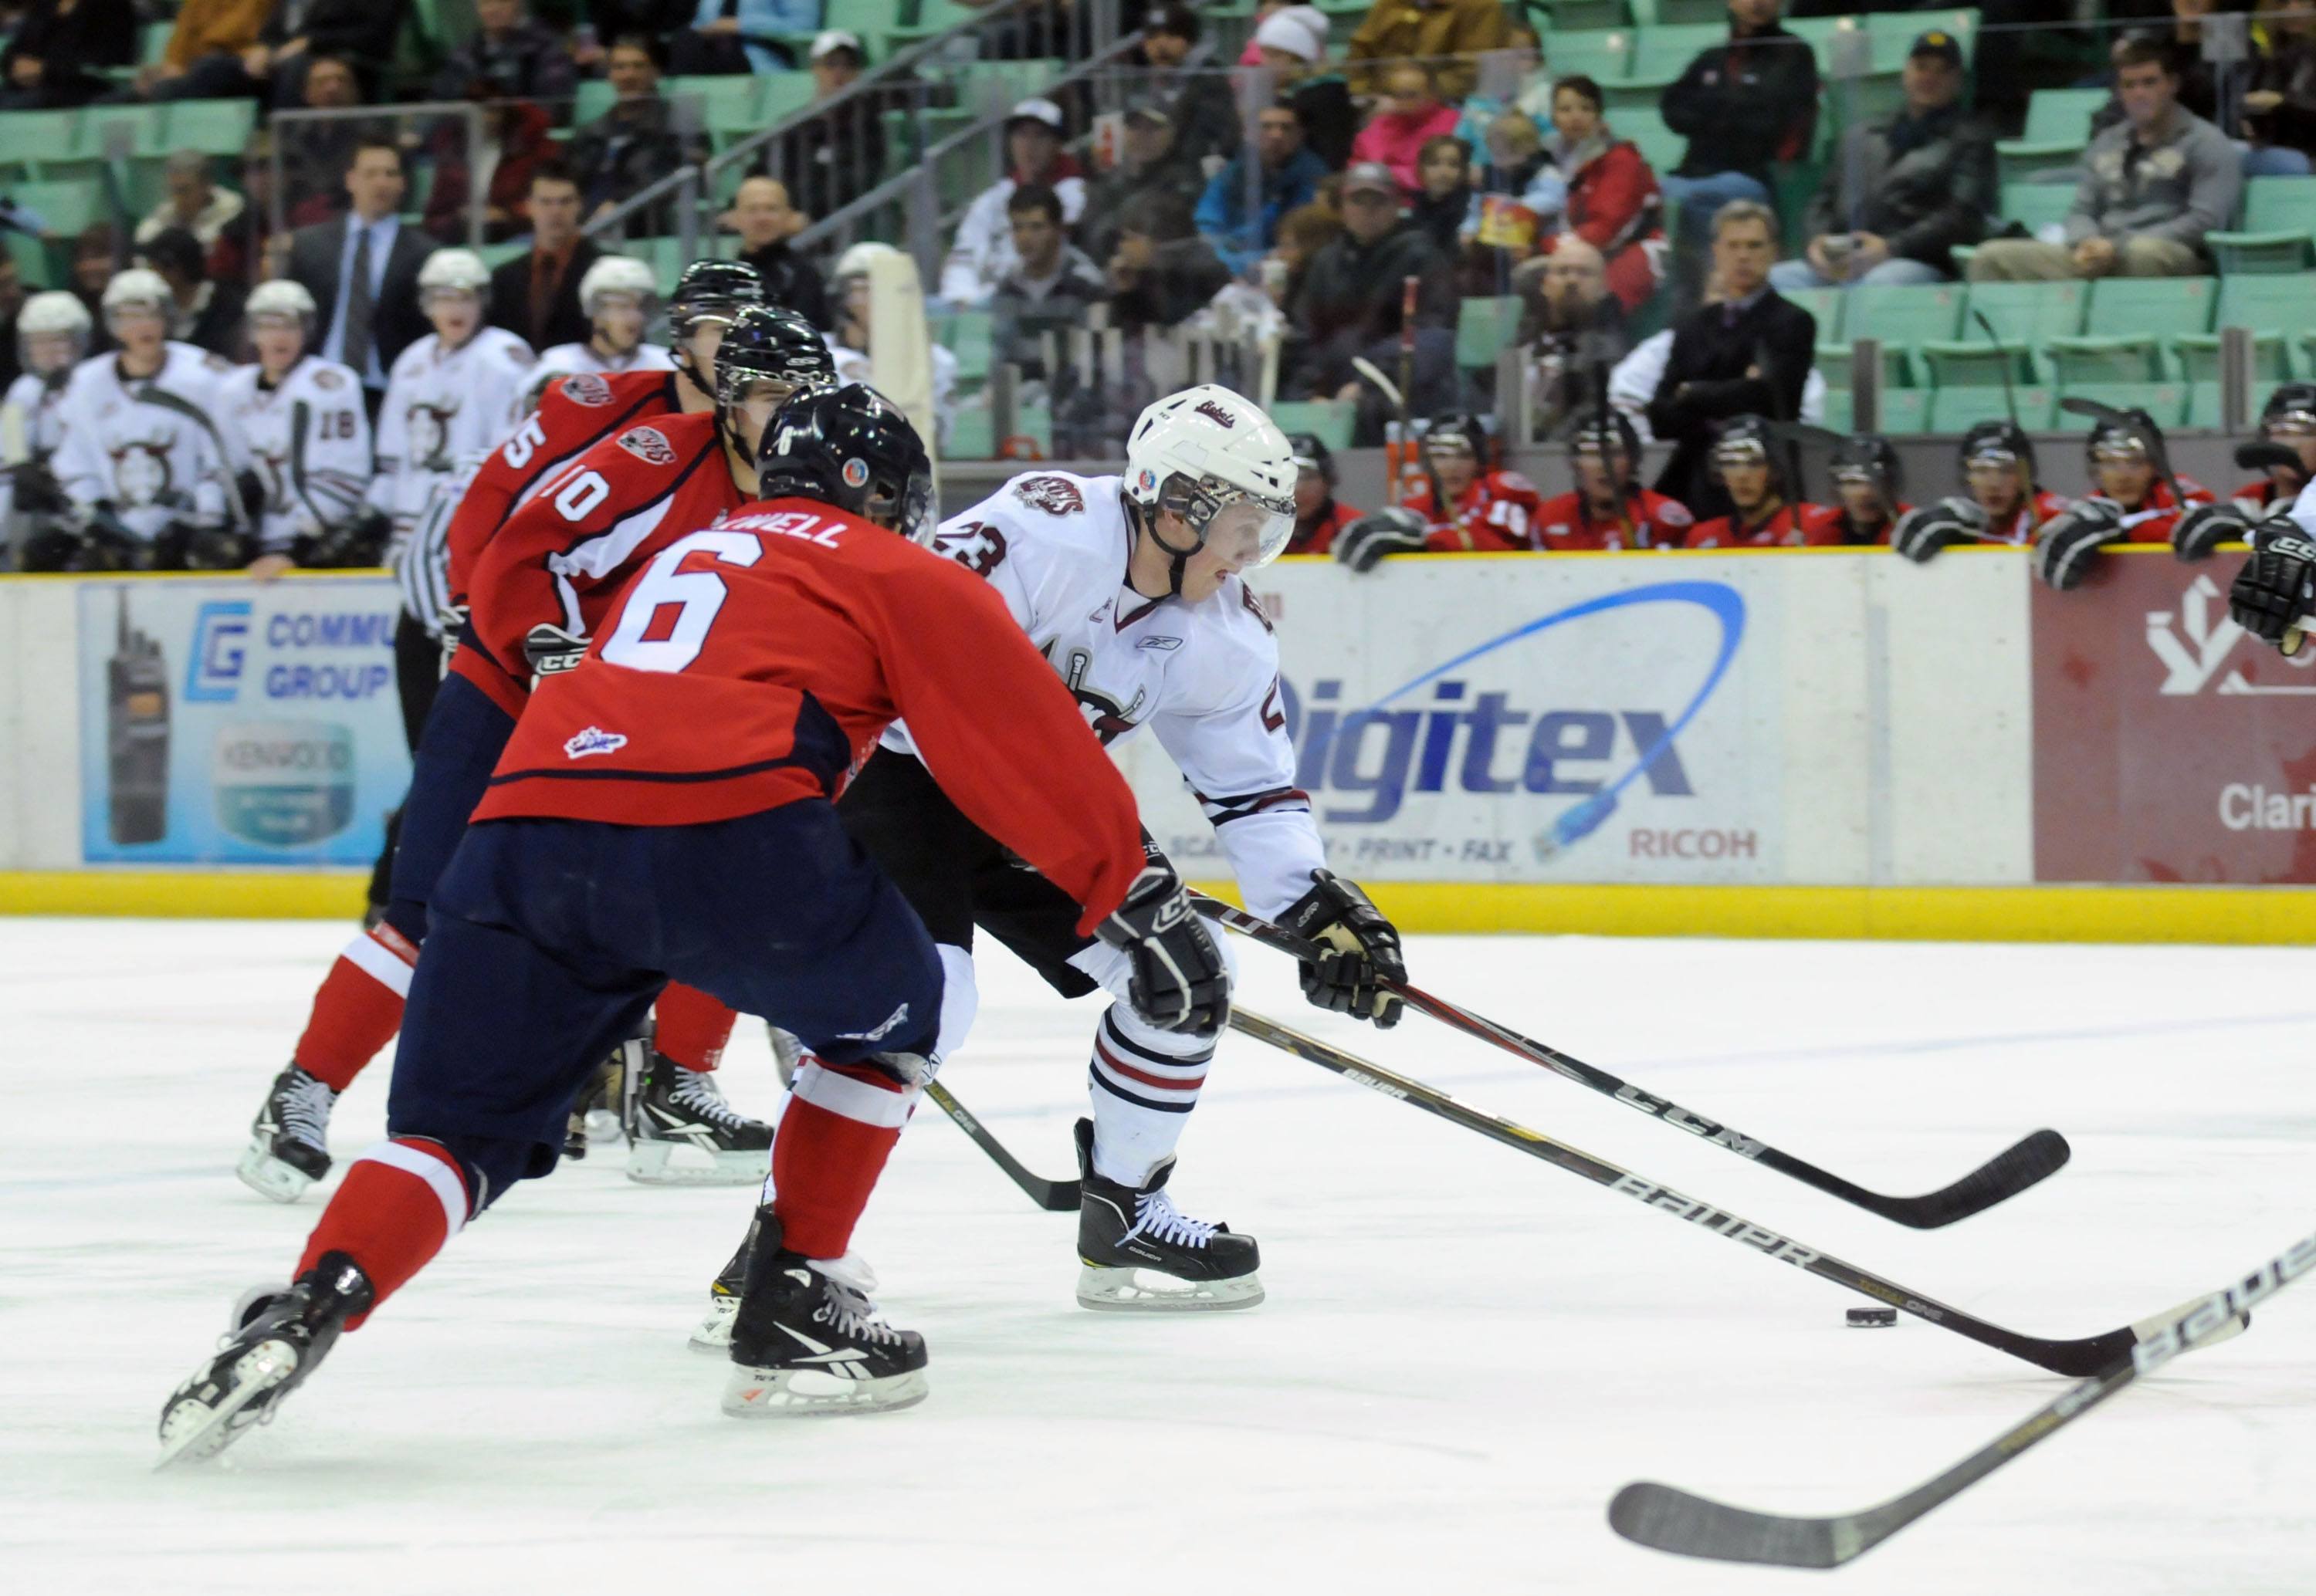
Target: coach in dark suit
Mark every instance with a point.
(535, 295)
(1748, 352)
(362, 269)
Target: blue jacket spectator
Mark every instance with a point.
(739, 36)
(1286, 175)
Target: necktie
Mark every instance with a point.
(357, 308)
(1728, 316)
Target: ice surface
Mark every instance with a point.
(1465, 1352)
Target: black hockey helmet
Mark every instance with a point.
(770, 343)
(1865, 457)
(2132, 435)
(1459, 429)
(2293, 402)
(711, 290)
(1312, 454)
(1604, 429)
(1996, 443)
(849, 447)
(1747, 440)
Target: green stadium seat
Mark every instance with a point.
(972, 433)
(495, 255)
(999, 85)
(2276, 309)
(971, 336)
(1820, 32)
(2279, 220)
(1661, 54)
(2058, 127)
(1959, 409)
(782, 94)
(1680, 13)
(2203, 404)
(2166, 401)
(933, 17)
(213, 126)
(141, 125)
(2035, 205)
(1599, 55)
(1839, 409)
(1905, 410)
(1833, 358)
(1483, 328)
(40, 136)
(1568, 16)
(2130, 322)
(152, 42)
(67, 209)
(595, 98)
(1825, 305)
(2024, 314)
(1644, 126)
(1904, 315)
(35, 267)
(1330, 420)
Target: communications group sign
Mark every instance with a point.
(224, 722)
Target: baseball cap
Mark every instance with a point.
(1043, 112)
(1149, 108)
(1939, 43)
(836, 38)
(1369, 177)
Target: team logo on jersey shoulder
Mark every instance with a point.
(1055, 495)
(324, 378)
(1673, 513)
(1514, 482)
(594, 739)
(585, 388)
(649, 445)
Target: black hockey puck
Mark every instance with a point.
(1872, 1318)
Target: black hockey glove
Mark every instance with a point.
(550, 651)
(357, 542)
(2274, 594)
(1927, 528)
(2070, 540)
(2194, 536)
(1366, 541)
(1179, 981)
(1363, 950)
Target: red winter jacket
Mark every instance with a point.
(1613, 201)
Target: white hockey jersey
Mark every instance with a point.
(149, 448)
(1203, 676)
(308, 440)
(28, 436)
(422, 561)
(564, 358)
(441, 405)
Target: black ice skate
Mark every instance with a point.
(1142, 1255)
(278, 1338)
(715, 1331)
(806, 1340)
(681, 1133)
(289, 1139)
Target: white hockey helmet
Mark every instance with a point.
(279, 298)
(618, 274)
(139, 287)
(1217, 461)
(454, 271)
(54, 311)
(856, 261)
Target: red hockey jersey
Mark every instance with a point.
(1794, 526)
(754, 663)
(1567, 523)
(1496, 514)
(2025, 523)
(2153, 521)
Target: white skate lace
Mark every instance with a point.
(302, 1109)
(697, 1093)
(1157, 1217)
(851, 1314)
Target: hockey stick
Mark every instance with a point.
(2144, 426)
(2032, 1160)
(1053, 1196)
(2088, 1355)
(1674, 1520)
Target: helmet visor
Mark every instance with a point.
(1247, 531)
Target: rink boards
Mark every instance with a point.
(1811, 743)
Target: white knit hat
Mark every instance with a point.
(1300, 30)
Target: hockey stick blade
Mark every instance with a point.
(2032, 1161)
(1053, 1196)
(2074, 1357)
(1667, 1519)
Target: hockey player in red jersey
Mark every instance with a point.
(1609, 509)
(1461, 506)
(1318, 514)
(1866, 483)
(666, 809)
(2287, 440)
(359, 1006)
(2136, 499)
(1745, 455)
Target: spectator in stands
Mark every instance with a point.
(56, 56)
(839, 154)
(733, 36)
(1745, 106)
(192, 201)
(1518, 198)
(1749, 354)
(314, 155)
(1514, 78)
(363, 267)
(765, 221)
(2152, 186)
(93, 266)
(360, 32)
(1293, 44)
(1161, 272)
(611, 20)
(1151, 161)
(511, 56)
(1303, 233)
(1239, 212)
(1613, 203)
(203, 312)
(1903, 189)
(983, 254)
(1573, 326)
(1443, 193)
(633, 144)
(1427, 29)
(2203, 86)
(536, 295)
(202, 60)
(517, 138)
(1408, 116)
(1348, 303)
(2279, 102)
(1052, 283)
(1205, 111)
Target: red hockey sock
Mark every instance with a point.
(359, 1008)
(839, 1127)
(399, 1202)
(692, 1028)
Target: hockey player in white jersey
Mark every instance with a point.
(296, 432)
(455, 392)
(1133, 586)
(142, 465)
(618, 296)
(51, 339)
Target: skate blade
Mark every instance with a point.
(269, 1176)
(204, 1432)
(813, 1393)
(1149, 1291)
(715, 1331)
(663, 1164)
